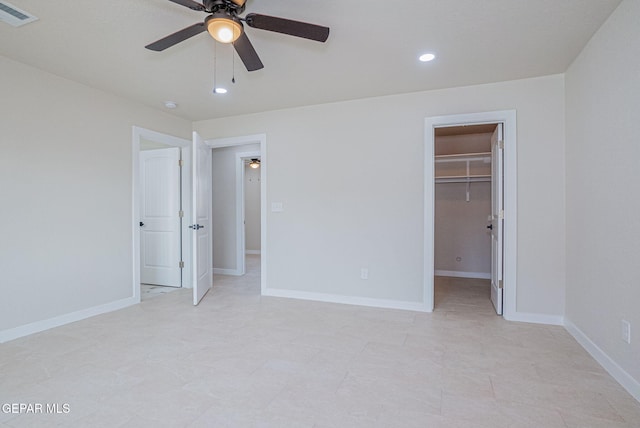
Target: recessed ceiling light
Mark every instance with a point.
(170, 104)
(427, 57)
(219, 91)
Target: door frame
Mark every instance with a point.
(261, 139)
(508, 119)
(241, 231)
(139, 133)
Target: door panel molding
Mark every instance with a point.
(160, 245)
(202, 260)
(497, 222)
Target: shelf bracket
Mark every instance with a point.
(468, 190)
(468, 181)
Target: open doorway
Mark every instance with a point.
(228, 207)
(238, 210)
(161, 201)
(251, 203)
(468, 163)
(462, 218)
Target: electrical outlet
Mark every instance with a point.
(626, 331)
(364, 273)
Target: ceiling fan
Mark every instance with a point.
(226, 26)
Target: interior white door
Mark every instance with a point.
(160, 244)
(201, 216)
(497, 217)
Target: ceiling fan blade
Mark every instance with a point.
(177, 37)
(287, 26)
(247, 53)
(190, 4)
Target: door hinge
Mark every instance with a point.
(501, 144)
(181, 265)
(501, 215)
(180, 213)
(180, 162)
(500, 284)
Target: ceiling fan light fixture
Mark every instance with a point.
(224, 28)
(255, 163)
(224, 24)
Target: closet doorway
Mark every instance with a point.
(470, 176)
(465, 231)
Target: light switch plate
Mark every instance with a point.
(277, 207)
(626, 331)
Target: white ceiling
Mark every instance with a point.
(372, 49)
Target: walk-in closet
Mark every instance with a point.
(462, 241)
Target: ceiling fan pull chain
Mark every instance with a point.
(215, 66)
(233, 63)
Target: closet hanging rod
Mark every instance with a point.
(463, 155)
(486, 159)
(463, 179)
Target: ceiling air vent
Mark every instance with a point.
(14, 16)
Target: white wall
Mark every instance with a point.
(252, 209)
(462, 240)
(224, 205)
(357, 199)
(65, 174)
(603, 221)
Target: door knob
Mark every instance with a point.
(490, 227)
(141, 224)
(196, 227)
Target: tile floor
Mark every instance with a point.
(241, 360)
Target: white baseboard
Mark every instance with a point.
(252, 252)
(618, 373)
(458, 274)
(38, 326)
(220, 271)
(347, 300)
(535, 318)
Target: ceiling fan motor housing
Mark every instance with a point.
(232, 7)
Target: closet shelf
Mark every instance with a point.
(463, 168)
(464, 157)
(463, 179)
